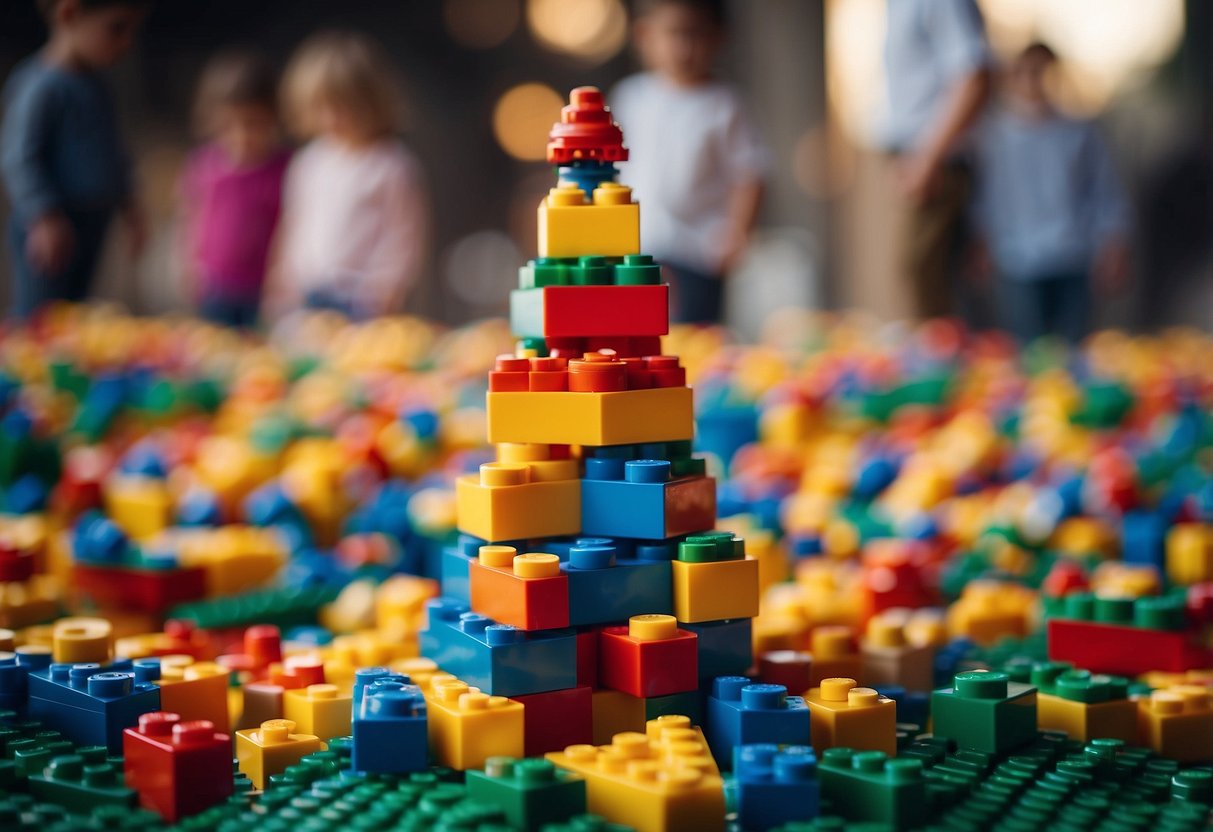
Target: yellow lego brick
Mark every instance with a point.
(1177, 723)
(1086, 721)
(761, 545)
(989, 610)
(272, 748)
(890, 659)
(195, 690)
(319, 709)
(663, 780)
(715, 590)
(503, 503)
(26, 603)
(236, 558)
(466, 727)
(615, 712)
(626, 417)
(1190, 553)
(844, 715)
(835, 654)
(140, 506)
(1083, 536)
(82, 640)
(569, 226)
(400, 606)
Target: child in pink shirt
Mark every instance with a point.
(232, 189)
(354, 216)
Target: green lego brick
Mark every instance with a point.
(1161, 612)
(531, 793)
(82, 782)
(284, 607)
(985, 711)
(868, 786)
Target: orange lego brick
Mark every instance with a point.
(844, 715)
(525, 591)
(627, 417)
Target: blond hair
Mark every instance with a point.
(346, 70)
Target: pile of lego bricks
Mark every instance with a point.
(952, 585)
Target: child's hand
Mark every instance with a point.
(1111, 271)
(50, 244)
(734, 249)
(919, 177)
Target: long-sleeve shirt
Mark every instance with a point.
(930, 46)
(60, 148)
(354, 222)
(1048, 194)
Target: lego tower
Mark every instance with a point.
(588, 584)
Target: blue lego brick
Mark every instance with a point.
(604, 589)
(497, 658)
(390, 731)
(90, 704)
(454, 580)
(637, 499)
(726, 648)
(913, 707)
(774, 786)
(723, 429)
(740, 712)
(14, 678)
(1143, 539)
(374, 678)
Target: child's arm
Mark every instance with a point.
(748, 162)
(398, 260)
(745, 199)
(35, 201)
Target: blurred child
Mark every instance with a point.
(1050, 208)
(354, 216)
(232, 188)
(64, 164)
(697, 164)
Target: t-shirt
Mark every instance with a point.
(1048, 195)
(233, 211)
(689, 147)
(930, 45)
(60, 148)
(354, 222)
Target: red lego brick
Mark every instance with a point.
(178, 768)
(649, 657)
(555, 720)
(591, 311)
(791, 668)
(586, 131)
(526, 591)
(1123, 650)
(897, 573)
(142, 590)
(587, 658)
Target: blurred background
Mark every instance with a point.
(485, 79)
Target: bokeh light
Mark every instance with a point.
(522, 118)
(481, 24)
(589, 30)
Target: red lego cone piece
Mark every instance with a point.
(586, 131)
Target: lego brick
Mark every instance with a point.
(260, 702)
(78, 640)
(843, 715)
(195, 690)
(566, 418)
(670, 783)
(269, 749)
(503, 503)
(81, 782)
(1189, 553)
(586, 134)
(141, 506)
(467, 727)
(604, 589)
(496, 658)
(532, 793)
(455, 569)
(571, 226)
(587, 658)
(644, 502)
(742, 713)
(1122, 650)
(526, 591)
(775, 785)
(890, 659)
(790, 668)
(985, 711)
(713, 590)
(319, 709)
(649, 657)
(726, 648)
(390, 729)
(616, 712)
(146, 590)
(556, 719)
(590, 311)
(868, 786)
(91, 704)
(835, 654)
(178, 768)
(988, 611)
(1177, 723)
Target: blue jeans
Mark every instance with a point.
(33, 289)
(696, 297)
(1057, 304)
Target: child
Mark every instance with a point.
(1050, 208)
(354, 216)
(697, 164)
(64, 164)
(232, 188)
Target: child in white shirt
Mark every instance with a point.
(696, 162)
(355, 217)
